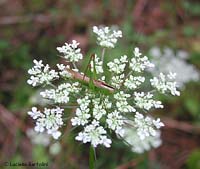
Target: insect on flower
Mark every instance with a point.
(86, 79)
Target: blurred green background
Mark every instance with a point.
(32, 29)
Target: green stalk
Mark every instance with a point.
(74, 64)
(92, 158)
(103, 54)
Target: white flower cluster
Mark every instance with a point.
(139, 63)
(102, 107)
(116, 81)
(146, 126)
(107, 37)
(115, 121)
(44, 140)
(145, 101)
(82, 113)
(133, 82)
(63, 71)
(98, 109)
(122, 102)
(62, 93)
(41, 74)
(71, 51)
(167, 60)
(139, 145)
(92, 132)
(95, 134)
(41, 138)
(118, 65)
(163, 84)
(49, 120)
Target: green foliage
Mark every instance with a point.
(20, 57)
(193, 161)
(17, 158)
(192, 105)
(188, 31)
(36, 5)
(46, 49)
(192, 7)
(190, 101)
(21, 97)
(4, 45)
(194, 58)
(40, 154)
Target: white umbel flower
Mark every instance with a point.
(118, 65)
(116, 81)
(71, 51)
(121, 96)
(62, 93)
(146, 126)
(102, 105)
(95, 134)
(122, 103)
(133, 82)
(63, 70)
(98, 111)
(38, 138)
(84, 102)
(115, 122)
(145, 101)
(34, 113)
(50, 120)
(107, 37)
(167, 60)
(41, 74)
(138, 63)
(138, 145)
(81, 118)
(164, 84)
(124, 107)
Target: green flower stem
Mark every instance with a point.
(103, 54)
(92, 158)
(128, 74)
(74, 64)
(52, 85)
